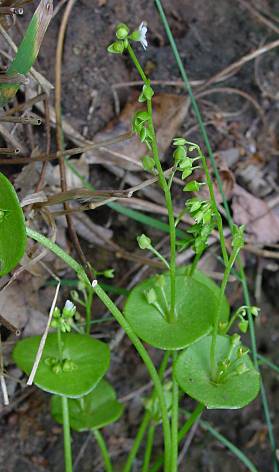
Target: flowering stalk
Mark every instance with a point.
(163, 183)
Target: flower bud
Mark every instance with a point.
(69, 309)
(122, 31)
(108, 273)
(144, 242)
(179, 142)
(151, 296)
(69, 366)
(57, 369)
(117, 47)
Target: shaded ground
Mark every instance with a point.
(210, 36)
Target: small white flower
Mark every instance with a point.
(69, 309)
(142, 34)
(69, 306)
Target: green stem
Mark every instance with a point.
(194, 264)
(88, 309)
(103, 448)
(165, 187)
(145, 421)
(67, 435)
(149, 364)
(148, 448)
(169, 206)
(137, 441)
(227, 272)
(126, 327)
(174, 420)
(233, 318)
(181, 434)
(215, 209)
(157, 254)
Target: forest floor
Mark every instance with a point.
(98, 100)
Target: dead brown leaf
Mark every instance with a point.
(169, 113)
(262, 224)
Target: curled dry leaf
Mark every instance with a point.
(261, 222)
(169, 113)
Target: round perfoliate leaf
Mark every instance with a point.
(238, 388)
(201, 277)
(12, 227)
(147, 312)
(93, 411)
(84, 363)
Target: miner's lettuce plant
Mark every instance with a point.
(180, 311)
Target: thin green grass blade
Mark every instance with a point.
(28, 49)
(228, 215)
(133, 214)
(264, 360)
(237, 452)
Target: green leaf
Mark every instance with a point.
(202, 278)
(28, 49)
(91, 358)
(195, 309)
(93, 411)
(192, 371)
(12, 227)
(192, 186)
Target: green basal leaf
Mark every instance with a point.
(196, 305)
(93, 411)
(201, 277)
(192, 371)
(12, 227)
(28, 49)
(89, 357)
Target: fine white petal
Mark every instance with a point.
(69, 305)
(143, 31)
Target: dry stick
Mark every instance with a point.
(259, 16)
(27, 104)
(48, 142)
(68, 152)
(44, 337)
(59, 132)
(235, 65)
(2, 378)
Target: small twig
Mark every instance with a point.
(4, 390)
(2, 379)
(44, 337)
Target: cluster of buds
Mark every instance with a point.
(241, 315)
(183, 162)
(202, 213)
(200, 210)
(64, 320)
(234, 362)
(123, 37)
(156, 296)
(140, 126)
(57, 366)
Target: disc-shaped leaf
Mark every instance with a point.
(201, 277)
(93, 411)
(90, 359)
(12, 227)
(192, 371)
(195, 307)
